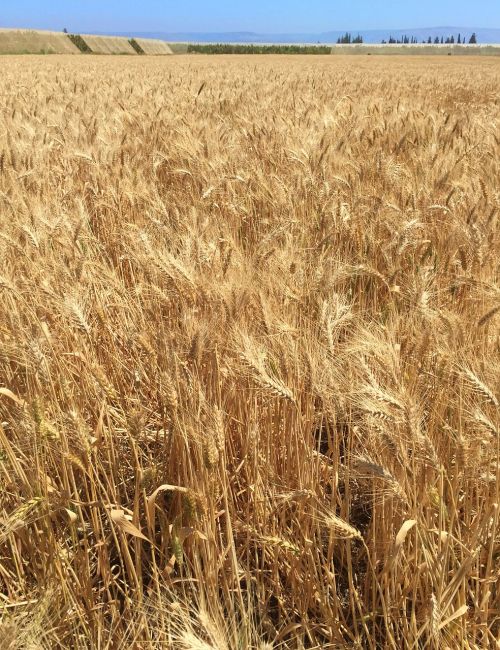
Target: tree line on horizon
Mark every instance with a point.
(450, 40)
(348, 39)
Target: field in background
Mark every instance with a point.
(20, 41)
(352, 49)
(418, 50)
(249, 352)
(240, 48)
(153, 46)
(42, 42)
(179, 48)
(108, 44)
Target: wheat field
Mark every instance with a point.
(108, 44)
(153, 46)
(21, 41)
(249, 353)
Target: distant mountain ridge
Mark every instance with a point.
(484, 35)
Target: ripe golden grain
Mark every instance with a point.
(252, 302)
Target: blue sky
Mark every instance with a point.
(253, 15)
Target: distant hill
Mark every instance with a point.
(484, 35)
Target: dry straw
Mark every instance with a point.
(253, 304)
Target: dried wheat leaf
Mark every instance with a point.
(125, 525)
(8, 393)
(403, 532)
(152, 499)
